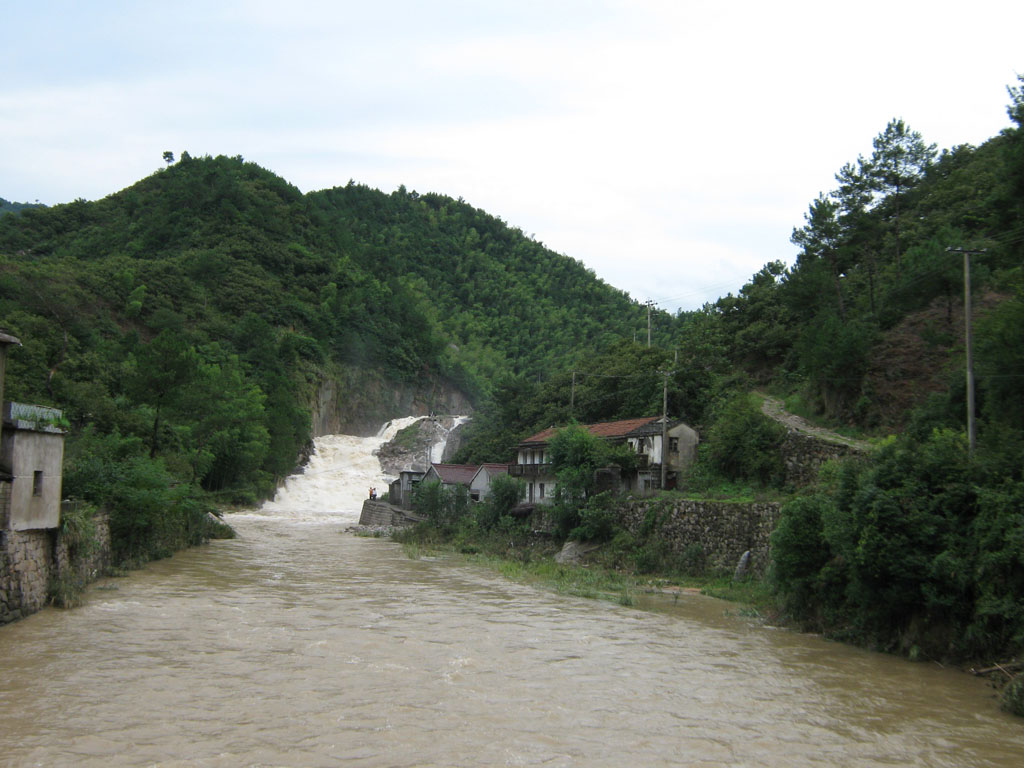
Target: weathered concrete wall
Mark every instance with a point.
(35, 503)
(381, 513)
(30, 560)
(358, 401)
(722, 530)
(804, 454)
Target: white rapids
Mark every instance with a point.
(336, 479)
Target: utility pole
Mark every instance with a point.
(969, 344)
(649, 303)
(664, 428)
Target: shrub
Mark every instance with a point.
(1012, 698)
(743, 443)
(504, 496)
(598, 520)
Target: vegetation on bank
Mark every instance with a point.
(918, 548)
(618, 563)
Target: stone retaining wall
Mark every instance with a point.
(30, 560)
(804, 454)
(722, 530)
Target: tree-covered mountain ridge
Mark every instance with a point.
(214, 317)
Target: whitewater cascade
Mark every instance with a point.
(437, 449)
(336, 479)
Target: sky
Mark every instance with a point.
(671, 147)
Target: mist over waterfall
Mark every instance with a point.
(336, 479)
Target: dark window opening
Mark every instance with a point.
(37, 483)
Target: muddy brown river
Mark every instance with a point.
(298, 645)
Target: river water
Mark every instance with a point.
(297, 644)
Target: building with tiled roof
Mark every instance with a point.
(451, 474)
(480, 485)
(607, 429)
(643, 435)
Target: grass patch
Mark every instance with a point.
(406, 437)
(600, 579)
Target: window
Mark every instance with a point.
(37, 483)
(673, 444)
(542, 490)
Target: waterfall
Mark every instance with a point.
(437, 449)
(336, 479)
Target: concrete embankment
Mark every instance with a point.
(380, 513)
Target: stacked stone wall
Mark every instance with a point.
(804, 454)
(85, 566)
(26, 561)
(723, 531)
(30, 560)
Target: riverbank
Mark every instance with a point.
(593, 575)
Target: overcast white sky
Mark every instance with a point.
(670, 146)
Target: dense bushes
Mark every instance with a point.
(151, 514)
(743, 443)
(910, 551)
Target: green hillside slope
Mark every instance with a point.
(198, 311)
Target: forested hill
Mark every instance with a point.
(6, 206)
(198, 310)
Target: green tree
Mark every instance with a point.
(899, 161)
(161, 372)
(820, 239)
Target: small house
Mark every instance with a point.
(451, 475)
(31, 460)
(480, 485)
(401, 489)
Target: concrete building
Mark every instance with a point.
(32, 455)
(31, 461)
(400, 490)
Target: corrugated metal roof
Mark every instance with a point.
(606, 429)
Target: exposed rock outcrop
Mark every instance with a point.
(356, 401)
(416, 446)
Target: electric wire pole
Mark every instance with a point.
(969, 345)
(649, 303)
(664, 428)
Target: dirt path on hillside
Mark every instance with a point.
(775, 409)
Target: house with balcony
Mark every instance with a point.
(643, 435)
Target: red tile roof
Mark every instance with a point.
(456, 474)
(606, 429)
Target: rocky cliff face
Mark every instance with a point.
(357, 401)
(429, 439)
